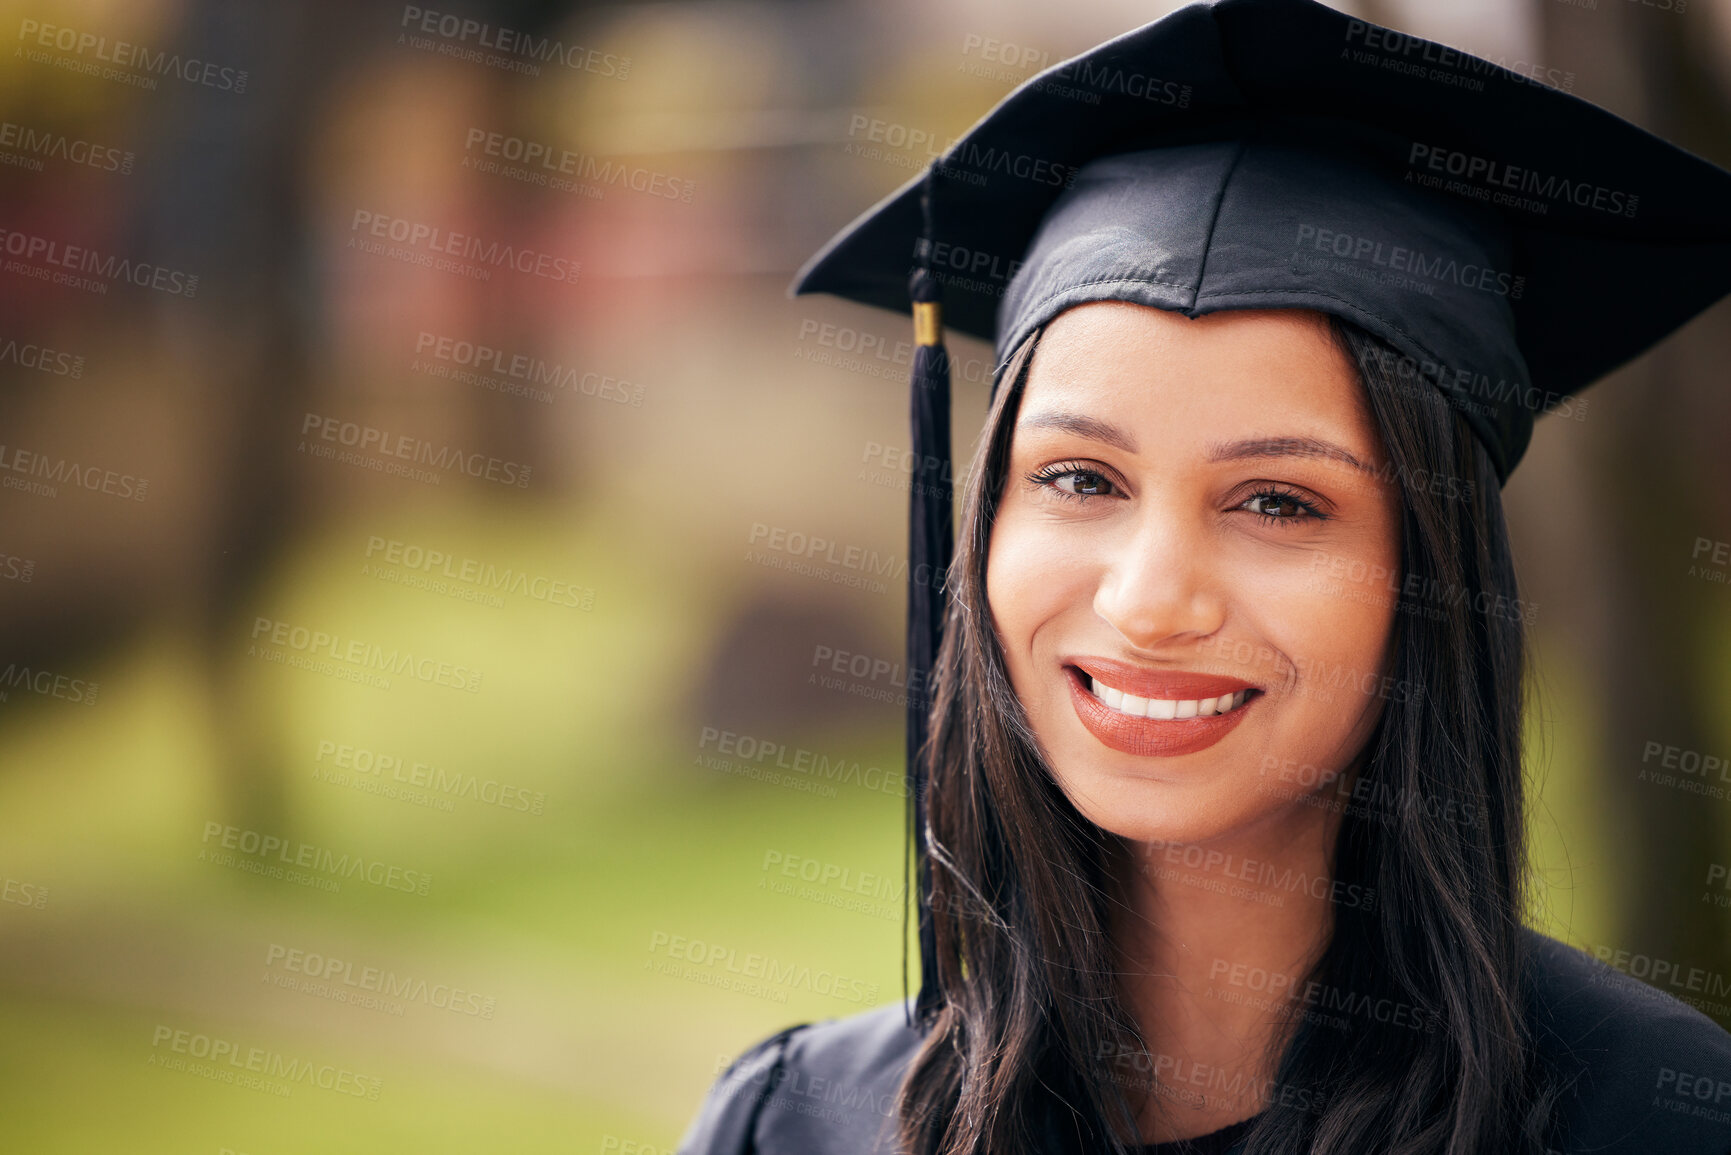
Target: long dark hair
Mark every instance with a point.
(1025, 1050)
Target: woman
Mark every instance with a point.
(1223, 843)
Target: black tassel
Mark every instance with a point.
(930, 543)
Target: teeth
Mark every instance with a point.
(1162, 708)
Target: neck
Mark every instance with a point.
(1214, 939)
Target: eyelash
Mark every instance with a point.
(1281, 493)
(1048, 476)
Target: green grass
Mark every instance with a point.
(557, 916)
(78, 1079)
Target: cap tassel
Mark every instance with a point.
(930, 542)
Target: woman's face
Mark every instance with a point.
(1182, 530)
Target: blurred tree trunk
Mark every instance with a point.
(226, 192)
(1645, 479)
(229, 194)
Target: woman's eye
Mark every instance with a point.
(1276, 505)
(1082, 483)
(1074, 484)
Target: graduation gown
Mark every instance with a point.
(1649, 1073)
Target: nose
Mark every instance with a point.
(1161, 584)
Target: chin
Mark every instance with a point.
(1144, 809)
(1150, 800)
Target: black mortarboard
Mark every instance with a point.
(1514, 242)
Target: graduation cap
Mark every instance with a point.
(1512, 242)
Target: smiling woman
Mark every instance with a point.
(1220, 825)
(1239, 914)
(1175, 487)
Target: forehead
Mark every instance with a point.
(1180, 382)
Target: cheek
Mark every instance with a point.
(1335, 621)
(1033, 577)
(1347, 616)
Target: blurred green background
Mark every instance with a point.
(638, 717)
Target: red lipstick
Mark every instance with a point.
(1153, 737)
(1144, 683)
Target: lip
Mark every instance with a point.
(1176, 684)
(1154, 737)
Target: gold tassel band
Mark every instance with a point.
(928, 323)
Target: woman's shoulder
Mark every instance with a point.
(823, 1088)
(1644, 1070)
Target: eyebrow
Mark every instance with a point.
(1287, 447)
(1082, 426)
(1105, 432)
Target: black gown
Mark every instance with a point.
(1650, 1075)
